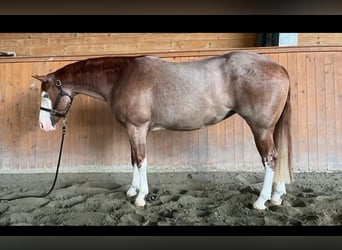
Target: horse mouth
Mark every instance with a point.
(47, 125)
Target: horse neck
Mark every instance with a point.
(99, 81)
(98, 88)
(90, 91)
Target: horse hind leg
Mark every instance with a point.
(279, 191)
(266, 148)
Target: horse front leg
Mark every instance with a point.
(133, 189)
(143, 187)
(137, 137)
(139, 183)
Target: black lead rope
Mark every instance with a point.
(56, 174)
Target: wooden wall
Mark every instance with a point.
(95, 142)
(59, 44)
(319, 39)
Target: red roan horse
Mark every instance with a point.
(147, 93)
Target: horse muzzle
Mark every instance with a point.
(46, 122)
(47, 125)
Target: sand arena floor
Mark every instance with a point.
(206, 199)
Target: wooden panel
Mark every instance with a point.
(317, 39)
(95, 141)
(302, 113)
(292, 68)
(321, 112)
(57, 44)
(338, 109)
(311, 110)
(330, 109)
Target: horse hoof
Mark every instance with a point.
(131, 192)
(276, 202)
(259, 206)
(139, 203)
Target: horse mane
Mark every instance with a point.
(93, 68)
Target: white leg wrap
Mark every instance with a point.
(132, 191)
(266, 191)
(143, 187)
(278, 192)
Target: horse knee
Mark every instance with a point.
(270, 159)
(138, 156)
(140, 160)
(265, 145)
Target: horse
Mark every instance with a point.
(148, 93)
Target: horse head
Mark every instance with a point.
(55, 103)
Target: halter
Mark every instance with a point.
(61, 93)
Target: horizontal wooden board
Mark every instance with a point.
(316, 39)
(57, 44)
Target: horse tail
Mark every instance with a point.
(283, 143)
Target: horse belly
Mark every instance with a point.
(184, 119)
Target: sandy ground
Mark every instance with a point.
(174, 199)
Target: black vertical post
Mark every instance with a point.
(267, 39)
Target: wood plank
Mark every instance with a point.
(212, 145)
(45, 35)
(310, 61)
(330, 109)
(94, 43)
(172, 153)
(230, 144)
(162, 35)
(194, 148)
(302, 113)
(239, 142)
(19, 136)
(174, 55)
(338, 110)
(29, 118)
(321, 112)
(222, 151)
(203, 146)
(293, 73)
(6, 126)
(310, 39)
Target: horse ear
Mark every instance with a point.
(41, 78)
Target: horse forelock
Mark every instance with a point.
(47, 84)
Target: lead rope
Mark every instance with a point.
(56, 174)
